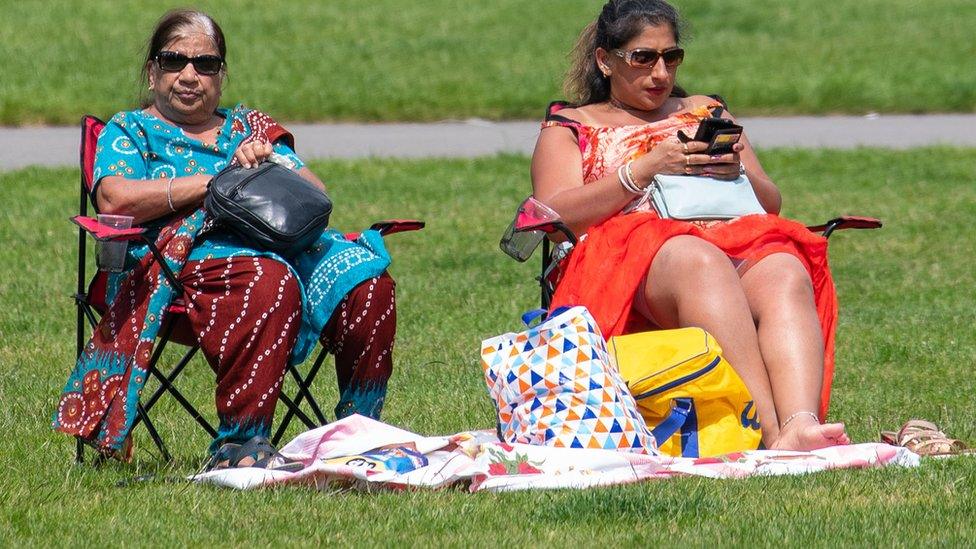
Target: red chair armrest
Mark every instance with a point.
(104, 233)
(393, 226)
(847, 222)
(549, 227)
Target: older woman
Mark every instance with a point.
(760, 283)
(250, 311)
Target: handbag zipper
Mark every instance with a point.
(681, 380)
(240, 186)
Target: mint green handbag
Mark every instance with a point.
(688, 197)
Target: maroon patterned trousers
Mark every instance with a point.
(245, 313)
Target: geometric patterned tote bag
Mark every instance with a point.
(554, 385)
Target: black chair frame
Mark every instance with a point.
(87, 312)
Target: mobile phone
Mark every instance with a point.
(719, 133)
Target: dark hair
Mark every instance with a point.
(176, 24)
(618, 23)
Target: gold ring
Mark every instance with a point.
(685, 145)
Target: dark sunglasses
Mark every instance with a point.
(646, 58)
(171, 61)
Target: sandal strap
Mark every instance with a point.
(918, 437)
(889, 437)
(939, 447)
(265, 456)
(227, 452)
(913, 425)
(258, 448)
(918, 426)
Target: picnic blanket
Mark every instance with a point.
(360, 453)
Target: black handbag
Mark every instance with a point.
(271, 207)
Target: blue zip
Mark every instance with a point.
(681, 381)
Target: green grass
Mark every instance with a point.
(444, 59)
(904, 349)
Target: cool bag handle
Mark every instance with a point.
(682, 418)
(528, 317)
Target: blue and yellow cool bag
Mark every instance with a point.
(695, 404)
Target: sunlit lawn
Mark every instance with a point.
(905, 349)
(449, 59)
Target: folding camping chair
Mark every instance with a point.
(89, 304)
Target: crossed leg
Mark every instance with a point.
(695, 284)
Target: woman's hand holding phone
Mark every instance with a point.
(689, 158)
(724, 166)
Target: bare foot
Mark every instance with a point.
(804, 433)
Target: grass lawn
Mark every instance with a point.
(905, 349)
(444, 59)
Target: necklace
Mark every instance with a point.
(646, 116)
(613, 102)
(220, 130)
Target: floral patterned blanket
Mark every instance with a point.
(360, 453)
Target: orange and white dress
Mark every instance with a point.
(604, 270)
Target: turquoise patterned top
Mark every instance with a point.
(138, 145)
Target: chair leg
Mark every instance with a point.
(293, 410)
(166, 382)
(153, 433)
(546, 293)
(183, 401)
(306, 385)
(309, 422)
(80, 345)
(171, 377)
(305, 391)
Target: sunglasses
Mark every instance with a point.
(646, 58)
(171, 61)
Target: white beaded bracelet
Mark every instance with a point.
(625, 176)
(169, 194)
(631, 178)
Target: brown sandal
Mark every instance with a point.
(925, 439)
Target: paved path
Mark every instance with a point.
(21, 147)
